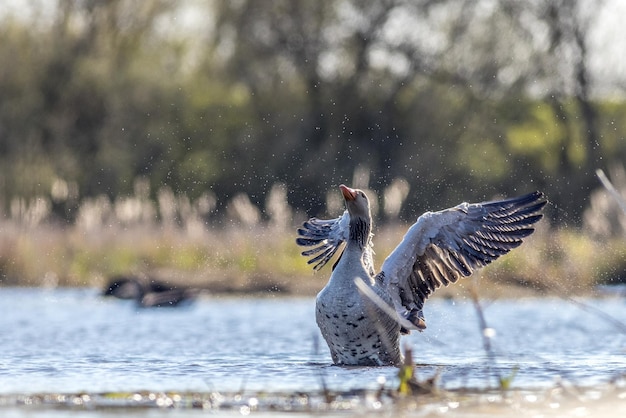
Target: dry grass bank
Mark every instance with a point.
(265, 259)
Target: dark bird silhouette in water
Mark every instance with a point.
(149, 293)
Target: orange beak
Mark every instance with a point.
(348, 193)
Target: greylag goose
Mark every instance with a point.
(437, 250)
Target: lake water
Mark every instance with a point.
(74, 341)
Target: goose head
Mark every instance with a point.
(356, 202)
(359, 209)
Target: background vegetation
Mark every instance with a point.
(171, 117)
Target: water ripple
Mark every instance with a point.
(71, 340)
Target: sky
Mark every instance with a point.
(608, 45)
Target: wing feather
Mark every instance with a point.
(441, 247)
(326, 236)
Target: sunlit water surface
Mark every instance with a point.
(72, 340)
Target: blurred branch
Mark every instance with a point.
(612, 190)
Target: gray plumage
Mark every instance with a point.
(437, 250)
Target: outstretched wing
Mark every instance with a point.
(443, 246)
(325, 236)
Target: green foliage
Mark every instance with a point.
(545, 139)
(405, 374)
(507, 381)
(540, 137)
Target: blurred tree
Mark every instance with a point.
(463, 99)
(327, 93)
(71, 90)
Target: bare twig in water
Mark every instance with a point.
(559, 290)
(320, 371)
(487, 333)
(612, 190)
(619, 325)
(384, 306)
(242, 387)
(328, 397)
(409, 384)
